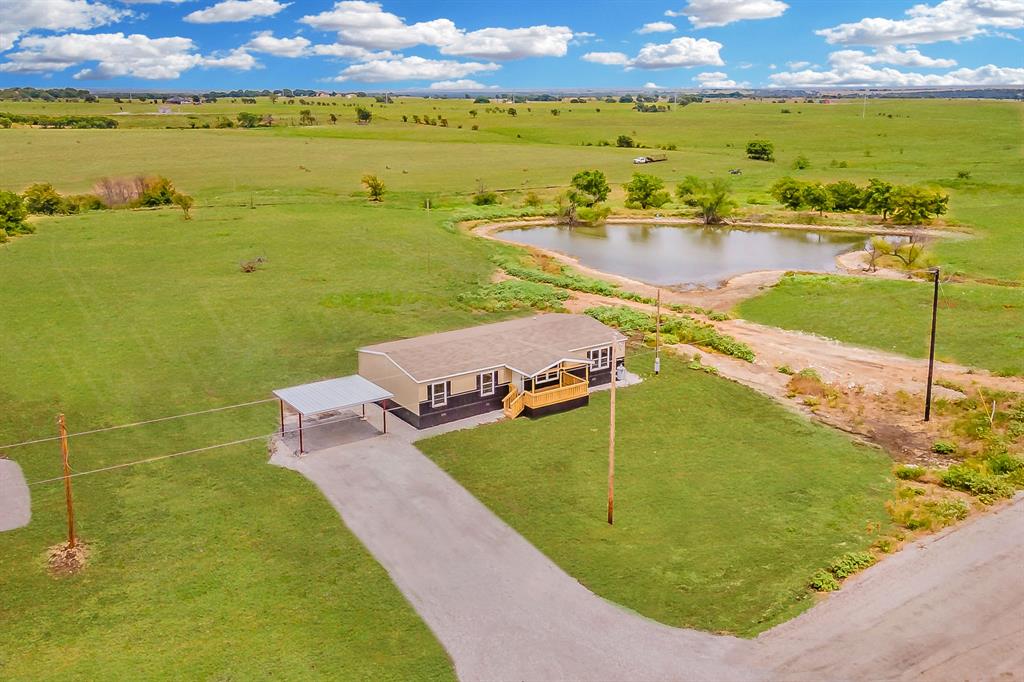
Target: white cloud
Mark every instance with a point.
(657, 27)
(680, 52)
(279, 47)
(237, 59)
(412, 68)
(22, 16)
(115, 55)
(677, 53)
(886, 55)
(717, 79)
(366, 24)
(350, 52)
(461, 84)
(948, 20)
(798, 65)
(708, 13)
(607, 58)
(860, 74)
(235, 10)
(651, 86)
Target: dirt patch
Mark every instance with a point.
(63, 560)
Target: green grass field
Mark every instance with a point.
(978, 325)
(725, 503)
(116, 316)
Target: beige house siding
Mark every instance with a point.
(381, 371)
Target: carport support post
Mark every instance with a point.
(385, 408)
(300, 433)
(282, 416)
(67, 479)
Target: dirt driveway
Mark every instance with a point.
(948, 608)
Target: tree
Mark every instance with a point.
(248, 119)
(912, 204)
(846, 196)
(625, 141)
(334, 119)
(761, 150)
(816, 195)
(589, 187)
(306, 118)
(374, 187)
(878, 197)
(363, 115)
(712, 198)
(788, 192)
(41, 198)
(555, 112)
(646, 191)
(512, 112)
(185, 203)
(801, 163)
(12, 213)
(473, 113)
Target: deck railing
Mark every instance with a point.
(569, 387)
(512, 403)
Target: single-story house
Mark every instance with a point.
(533, 365)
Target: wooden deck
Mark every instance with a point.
(569, 387)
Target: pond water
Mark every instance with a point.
(690, 255)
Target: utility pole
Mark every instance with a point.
(611, 444)
(931, 348)
(67, 479)
(657, 337)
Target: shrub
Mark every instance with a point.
(374, 187)
(850, 563)
(761, 150)
(646, 191)
(943, 447)
(12, 213)
(801, 163)
(963, 175)
(156, 191)
(910, 472)
(80, 203)
(532, 199)
(1002, 463)
(823, 581)
(485, 199)
(42, 199)
(625, 141)
(5, 122)
(3, 236)
(983, 486)
(785, 369)
(788, 192)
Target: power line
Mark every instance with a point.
(140, 423)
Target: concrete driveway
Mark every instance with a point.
(951, 608)
(15, 502)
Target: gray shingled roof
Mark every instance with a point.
(528, 345)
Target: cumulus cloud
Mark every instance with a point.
(657, 27)
(238, 59)
(607, 58)
(349, 52)
(887, 55)
(412, 68)
(366, 24)
(798, 65)
(861, 74)
(115, 55)
(679, 52)
(717, 79)
(949, 20)
(279, 47)
(461, 84)
(22, 16)
(651, 86)
(708, 13)
(235, 10)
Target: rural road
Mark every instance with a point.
(15, 502)
(949, 608)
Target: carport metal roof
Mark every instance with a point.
(332, 394)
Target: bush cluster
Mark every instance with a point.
(830, 578)
(987, 487)
(905, 203)
(515, 295)
(69, 121)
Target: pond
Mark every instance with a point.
(690, 255)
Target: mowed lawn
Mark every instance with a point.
(725, 502)
(978, 325)
(214, 565)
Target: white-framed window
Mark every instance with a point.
(438, 394)
(488, 380)
(600, 358)
(548, 377)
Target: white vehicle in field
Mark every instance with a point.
(640, 159)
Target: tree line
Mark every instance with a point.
(904, 204)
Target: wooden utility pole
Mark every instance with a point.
(67, 479)
(611, 445)
(657, 337)
(931, 350)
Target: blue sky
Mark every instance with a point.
(468, 45)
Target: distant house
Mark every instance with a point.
(535, 365)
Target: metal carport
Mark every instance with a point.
(332, 395)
